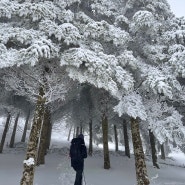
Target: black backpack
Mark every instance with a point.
(78, 149)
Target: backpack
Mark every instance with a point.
(78, 149)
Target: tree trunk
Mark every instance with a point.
(43, 138)
(31, 155)
(74, 133)
(141, 170)
(116, 138)
(12, 140)
(126, 140)
(90, 138)
(49, 130)
(77, 131)
(105, 142)
(29, 125)
(5, 132)
(25, 127)
(167, 147)
(174, 143)
(81, 130)
(153, 149)
(68, 138)
(162, 152)
(158, 147)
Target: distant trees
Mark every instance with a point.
(23, 139)
(5, 132)
(12, 140)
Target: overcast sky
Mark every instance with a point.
(177, 7)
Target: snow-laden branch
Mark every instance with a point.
(37, 11)
(105, 7)
(26, 81)
(99, 69)
(131, 105)
(142, 19)
(177, 60)
(163, 120)
(107, 32)
(127, 59)
(174, 36)
(66, 31)
(15, 34)
(159, 81)
(66, 3)
(8, 57)
(42, 48)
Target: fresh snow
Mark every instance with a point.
(29, 162)
(57, 170)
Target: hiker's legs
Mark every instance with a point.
(78, 180)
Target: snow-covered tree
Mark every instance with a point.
(164, 121)
(113, 45)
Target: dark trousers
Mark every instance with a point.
(78, 180)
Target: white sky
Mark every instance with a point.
(177, 7)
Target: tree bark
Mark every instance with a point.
(167, 147)
(105, 142)
(153, 149)
(126, 140)
(74, 133)
(49, 130)
(5, 132)
(174, 144)
(29, 125)
(81, 130)
(69, 134)
(77, 131)
(90, 139)
(43, 138)
(25, 127)
(141, 170)
(116, 138)
(12, 140)
(162, 152)
(31, 155)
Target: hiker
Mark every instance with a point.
(78, 153)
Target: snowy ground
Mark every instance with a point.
(57, 170)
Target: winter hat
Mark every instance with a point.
(81, 136)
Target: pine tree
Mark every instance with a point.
(5, 132)
(12, 140)
(25, 127)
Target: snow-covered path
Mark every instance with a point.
(57, 171)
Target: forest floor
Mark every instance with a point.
(57, 170)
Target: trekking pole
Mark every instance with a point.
(84, 178)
